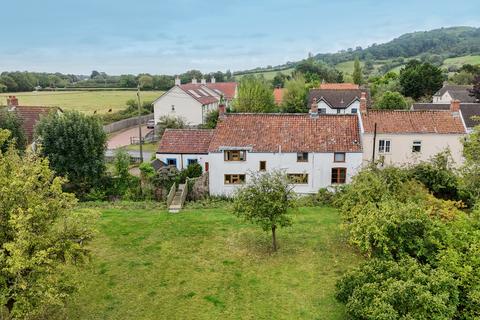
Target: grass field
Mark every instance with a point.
(84, 101)
(460, 61)
(207, 264)
(269, 75)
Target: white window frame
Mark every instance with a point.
(384, 146)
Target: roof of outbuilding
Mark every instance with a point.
(337, 98)
(30, 115)
(228, 89)
(287, 133)
(185, 141)
(469, 111)
(403, 122)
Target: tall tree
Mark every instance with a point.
(40, 236)
(254, 95)
(11, 121)
(295, 95)
(357, 72)
(75, 146)
(391, 100)
(420, 79)
(266, 201)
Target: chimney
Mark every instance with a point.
(12, 102)
(363, 102)
(455, 106)
(194, 80)
(314, 107)
(221, 110)
(212, 80)
(178, 81)
(203, 81)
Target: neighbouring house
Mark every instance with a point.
(315, 151)
(278, 95)
(193, 101)
(182, 147)
(30, 115)
(451, 92)
(470, 111)
(337, 98)
(407, 137)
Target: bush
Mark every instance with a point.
(323, 197)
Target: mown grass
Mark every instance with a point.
(460, 61)
(207, 264)
(83, 101)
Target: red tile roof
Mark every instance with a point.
(288, 132)
(185, 141)
(442, 122)
(228, 89)
(339, 86)
(278, 95)
(30, 116)
(198, 93)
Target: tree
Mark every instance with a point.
(75, 146)
(471, 168)
(295, 95)
(279, 80)
(11, 121)
(41, 235)
(145, 81)
(254, 95)
(169, 122)
(122, 176)
(211, 120)
(357, 72)
(94, 74)
(420, 79)
(463, 78)
(127, 81)
(475, 91)
(391, 100)
(316, 71)
(266, 200)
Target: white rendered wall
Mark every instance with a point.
(184, 106)
(182, 159)
(354, 105)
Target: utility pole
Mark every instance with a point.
(140, 123)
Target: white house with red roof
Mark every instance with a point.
(193, 101)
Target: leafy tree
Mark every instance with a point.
(169, 122)
(398, 290)
(391, 100)
(121, 165)
(357, 72)
(41, 235)
(12, 122)
(316, 71)
(94, 74)
(127, 81)
(420, 79)
(471, 168)
(295, 95)
(254, 95)
(279, 80)
(462, 78)
(75, 146)
(3, 88)
(475, 91)
(146, 81)
(189, 75)
(211, 120)
(266, 200)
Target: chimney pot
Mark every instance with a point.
(178, 81)
(455, 106)
(194, 80)
(203, 81)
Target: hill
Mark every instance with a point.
(437, 46)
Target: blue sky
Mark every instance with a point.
(118, 36)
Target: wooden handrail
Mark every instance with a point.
(171, 194)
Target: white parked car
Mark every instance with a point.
(151, 124)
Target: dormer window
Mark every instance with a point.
(235, 155)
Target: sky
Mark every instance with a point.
(170, 37)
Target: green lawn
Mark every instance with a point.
(149, 147)
(460, 61)
(207, 264)
(268, 75)
(84, 101)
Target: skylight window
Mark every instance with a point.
(194, 93)
(203, 92)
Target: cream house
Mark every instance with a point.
(336, 98)
(395, 137)
(193, 101)
(449, 92)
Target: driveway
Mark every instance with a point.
(122, 138)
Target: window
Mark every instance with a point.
(171, 162)
(235, 155)
(263, 165)
(339, 175)
(417, 146)
(298, 178)
(354, 110)
(192, 161)
(338, 111)
(339, 157)
(234, 178)
(322, 111)
(173, 107)
(302, 157)
(384, 146)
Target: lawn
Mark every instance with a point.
(84, 101)
(268, 75)
(148, 147)
(207, 264)
(460, 61)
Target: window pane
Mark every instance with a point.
(339, 157)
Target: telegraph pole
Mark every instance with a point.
(140, 123)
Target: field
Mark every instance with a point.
(459, 61)
(269, 75)
(84, 101)
(207, 264)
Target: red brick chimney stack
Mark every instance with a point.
(12, 101)
(363, 102)
(314, 107)
(221, 110)
(455, 106)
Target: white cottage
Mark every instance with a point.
(450, 92)
(336, 98)
(193, 101)
(182, 147)
(315, 150)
